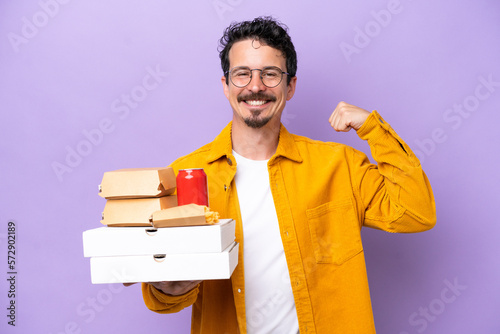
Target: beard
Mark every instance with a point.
(255, 122)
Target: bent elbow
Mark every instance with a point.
(425, 217)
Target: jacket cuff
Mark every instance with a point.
(160, 302)
(374, 127)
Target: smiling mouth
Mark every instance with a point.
(256, 103)
(257, 99)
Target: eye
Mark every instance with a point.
(271, 73)
(242, 74)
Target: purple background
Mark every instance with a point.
(65, 67)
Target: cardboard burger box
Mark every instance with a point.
(137, 183)
(136, 211)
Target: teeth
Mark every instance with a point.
(255, 103)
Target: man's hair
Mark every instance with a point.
(265, 30)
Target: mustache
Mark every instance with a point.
(257, 96)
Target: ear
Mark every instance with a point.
(225, 86)
(291, 88)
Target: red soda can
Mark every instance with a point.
(192, 187)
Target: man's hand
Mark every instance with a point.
(346, 117)
(174, 288)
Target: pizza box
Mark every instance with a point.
(121, 241)
(164, 267)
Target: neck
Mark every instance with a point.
(255, 144)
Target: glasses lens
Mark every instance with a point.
(241, 76)
(271, 76)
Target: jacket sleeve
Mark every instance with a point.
(396, 194)
(159, 302)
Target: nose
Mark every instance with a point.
(256, 84)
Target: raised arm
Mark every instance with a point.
(396, 194)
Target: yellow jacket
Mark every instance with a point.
(324, 193)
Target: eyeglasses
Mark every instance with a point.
(241, 76)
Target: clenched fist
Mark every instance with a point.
(346, 117)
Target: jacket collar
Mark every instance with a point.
(222, 146)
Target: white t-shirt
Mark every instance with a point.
(270, 307)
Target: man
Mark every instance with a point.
(299, 204)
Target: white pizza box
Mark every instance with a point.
(121, 241)
(164, 267)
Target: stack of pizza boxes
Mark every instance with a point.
(149, 238)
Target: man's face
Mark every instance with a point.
(256, 104)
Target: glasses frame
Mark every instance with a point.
(228, 73)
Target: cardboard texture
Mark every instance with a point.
(184, 215)
(134, 212)
(161, 267)
(137, 183)
(122, 241)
